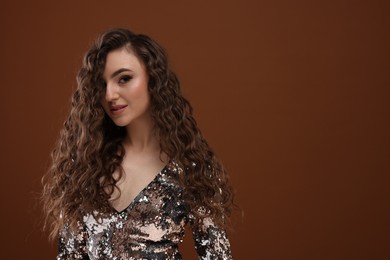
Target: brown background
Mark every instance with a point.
(292, 95)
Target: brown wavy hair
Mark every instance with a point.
(89, 148)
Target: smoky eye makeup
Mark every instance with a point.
(124, 79)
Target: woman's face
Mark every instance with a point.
(126, 97)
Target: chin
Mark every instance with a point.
(120, 123)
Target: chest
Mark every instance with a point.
(135, 177)
(155, 220)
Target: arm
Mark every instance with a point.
(72, 245)
(211, 241)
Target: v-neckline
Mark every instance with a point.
(137, 197)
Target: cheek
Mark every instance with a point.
(141, 93)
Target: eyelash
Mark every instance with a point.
(125, 79)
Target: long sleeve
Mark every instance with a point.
(211, 242)
(72, 245)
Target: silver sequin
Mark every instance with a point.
(151, 227)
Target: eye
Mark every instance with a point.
(124, 79)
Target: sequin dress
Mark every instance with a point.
(151, 227)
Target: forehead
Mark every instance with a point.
(123, 58)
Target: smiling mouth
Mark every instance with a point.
(118, 109)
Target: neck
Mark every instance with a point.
(141, 136)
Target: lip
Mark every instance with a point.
(117, 109)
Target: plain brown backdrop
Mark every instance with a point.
(292, 95)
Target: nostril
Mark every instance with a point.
(111, 96)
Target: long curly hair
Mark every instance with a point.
(89, 149)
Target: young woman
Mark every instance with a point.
(131, 168)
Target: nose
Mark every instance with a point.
(111, 93)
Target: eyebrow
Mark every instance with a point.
(119, 72)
